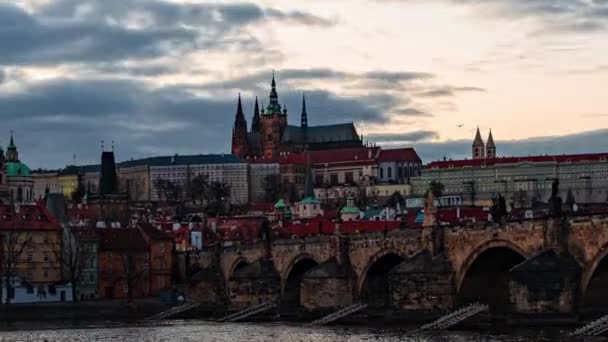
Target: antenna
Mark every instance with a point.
(102, 146)
(112, 145)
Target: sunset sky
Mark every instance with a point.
(162, 77)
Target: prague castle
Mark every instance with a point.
(271, 136)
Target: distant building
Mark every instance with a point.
(522, 181)
(259, 171)
(271, 136)
(398, 166)
(160, 249)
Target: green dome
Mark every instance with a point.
(17, 169)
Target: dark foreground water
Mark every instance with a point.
(190, 331)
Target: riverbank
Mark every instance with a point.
(94, 311)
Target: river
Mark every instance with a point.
(191, 330)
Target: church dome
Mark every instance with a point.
(17, 169)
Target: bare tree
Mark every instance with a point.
(200, 188)
(218, 195)
(14, 242)
(273, 187)
(168, 190)
(75, 255)
(135, 263)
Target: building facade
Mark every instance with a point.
(271, 136)
(259, 171)
(522, 181)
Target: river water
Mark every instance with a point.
(190, 331)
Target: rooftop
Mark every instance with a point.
(564, 158)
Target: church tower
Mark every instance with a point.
(256, 124)
(239, 132)
(490, 147)
(11, 152)
(274, 123)
(479, 147)
(304, 122)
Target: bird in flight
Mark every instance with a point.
(460, 125)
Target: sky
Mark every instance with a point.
(159, 77)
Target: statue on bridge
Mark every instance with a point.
(555, 202)
(499, 209)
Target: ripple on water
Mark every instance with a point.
(191, 331)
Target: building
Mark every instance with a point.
(134, 179)
(259, 171)
(109, 206)
(30, 243)
(19, 176)
(23, 292)
(345, 166)
(271, 136)
(522, 181)
(180, 170)
(45, 182)
(398, 166)
(123, 263)
(160, 249)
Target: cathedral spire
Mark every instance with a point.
(239, 132)
(11, 151)
(490, 147)
(304, 123)
(273, 106)
(255, 123)
(239, 120)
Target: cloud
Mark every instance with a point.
(408, 137)
(77, 31)
(555, 16)
(447, 91)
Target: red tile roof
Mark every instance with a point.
(29, 217)
(155, 234)
(357, 155)
(565, 158)
(399, 154)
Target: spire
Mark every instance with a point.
(273, 106)
(239, 121)
(11, 152)
(479, 150)
(255, 123)
(304, 123)
(490, 142)
(478, 141)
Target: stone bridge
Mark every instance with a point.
(532, 267)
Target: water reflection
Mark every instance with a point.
(190, 331)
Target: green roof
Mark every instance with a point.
(350, 210)
(280, 205)
(310, 200)
(17, 169)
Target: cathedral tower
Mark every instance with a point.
(478, 146)
(274, 123)
(490, 147)
(239, 132)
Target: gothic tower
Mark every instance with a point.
(239, 133)
(256, 125)
(274, 123)
(478, 146)
(490, 147)
(304, 122)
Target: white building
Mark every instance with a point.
(23, 293)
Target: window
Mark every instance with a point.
(381, 172)
(30, 258)
(390, 172)
(349, 178)
(46, 273)
(46, 257)
(333, 178)
(161, 247)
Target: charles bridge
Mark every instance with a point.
(548, 266)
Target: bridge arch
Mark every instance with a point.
(466, 265)
(238, 264)
(484, 275)
(594, 281)
(372, 285)
(291, 279)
